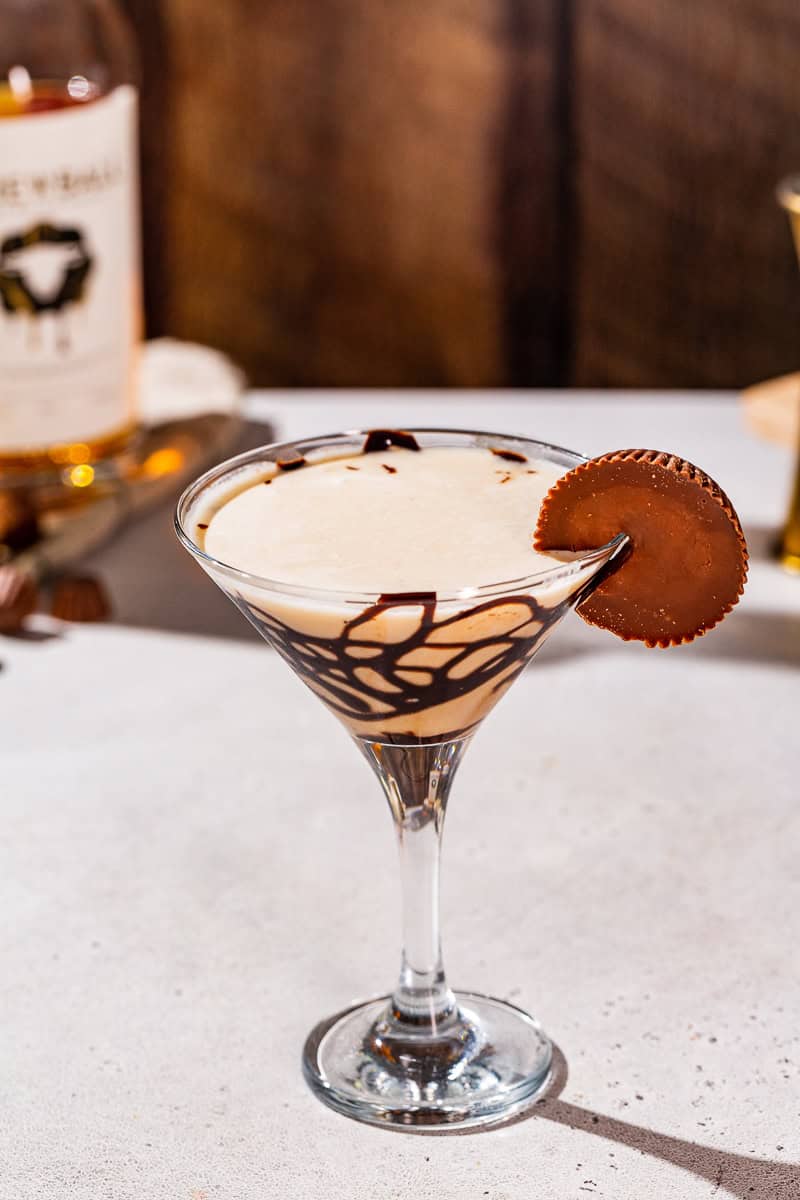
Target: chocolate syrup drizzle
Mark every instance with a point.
(384, 439)
(364, 679)
(367, 680)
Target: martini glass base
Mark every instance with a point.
(491, 1066)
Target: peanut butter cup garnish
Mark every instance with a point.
(80, 598)
(686, 563)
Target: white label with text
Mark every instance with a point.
(69, 273)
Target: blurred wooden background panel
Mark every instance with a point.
(464, 193)
(685, 115)
(354, 193)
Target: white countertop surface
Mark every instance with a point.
(196, 866)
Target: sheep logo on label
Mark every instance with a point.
(44, 271)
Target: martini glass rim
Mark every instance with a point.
(270, 452)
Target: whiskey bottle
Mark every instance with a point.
(70, 309)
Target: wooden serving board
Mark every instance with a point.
(190, 419)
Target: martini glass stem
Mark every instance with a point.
(417, 781)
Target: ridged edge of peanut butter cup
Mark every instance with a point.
(613, 604)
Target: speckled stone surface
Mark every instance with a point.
(195, 866)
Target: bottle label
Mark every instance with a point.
(69, 273)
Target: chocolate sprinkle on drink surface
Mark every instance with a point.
(509, 455)
(687, 560)
(291, 464)
(384, 439)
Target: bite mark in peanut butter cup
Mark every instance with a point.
(384, 439)
(687, 560)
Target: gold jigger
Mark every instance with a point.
(789, 550)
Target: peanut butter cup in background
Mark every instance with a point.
(686, 562)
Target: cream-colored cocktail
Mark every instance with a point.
(423, 531)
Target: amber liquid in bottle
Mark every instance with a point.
(40, 98)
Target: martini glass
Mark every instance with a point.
(411, 676)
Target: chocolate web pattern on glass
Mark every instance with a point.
(365, 679)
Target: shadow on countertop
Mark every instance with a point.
(153, 581)
(739, 1176)
(760, 638)
(731, 1174)
(757, 636)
